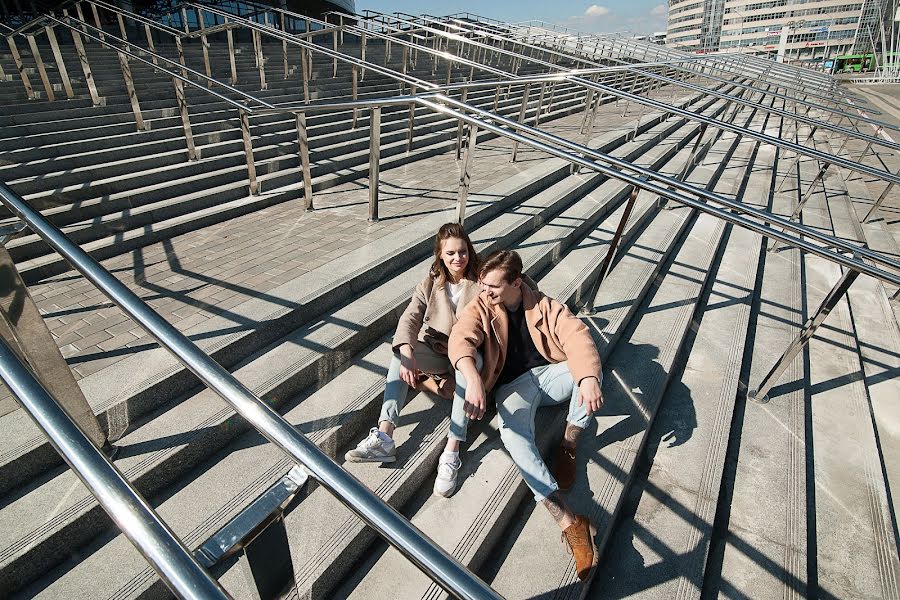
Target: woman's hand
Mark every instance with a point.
(408, 369)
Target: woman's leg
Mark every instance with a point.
(395, 392)
(449, 462)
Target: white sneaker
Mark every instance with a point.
(445, 482)
(377, 447)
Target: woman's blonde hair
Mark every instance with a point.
(438, 269)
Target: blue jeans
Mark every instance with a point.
(459, 422)
(517, 404)
(396, 390)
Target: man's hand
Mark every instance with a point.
(475, 404)
(590, 395)
(408, 370)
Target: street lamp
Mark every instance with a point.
(782, 41)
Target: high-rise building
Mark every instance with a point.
(814, 28)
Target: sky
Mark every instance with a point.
(634, 16)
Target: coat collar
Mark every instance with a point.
(438, 297)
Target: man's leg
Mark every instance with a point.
(517, 402)
(517, 405)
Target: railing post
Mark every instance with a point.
(122, 32)
(185, 118)
(878, 202)
(23, 328)
(374, 156)
(459, 127)
(231, 58)
(248, 153)
(304, 66)
(260, 59)
(63, 72)
(184, 20)
(522, 110)
(204, 45)
(761, 393)
(36, 53)
(284, 48)
(552, 94)
(412, 121)
(588, 305)
(362, 75)
(465, 176)
(180, 48)
(540, 106)
(334, 46)
(404, 60)
(20, 66)
(132, 93)
(806, 196)
(693, 157)
(303, 141)
(149, 34)
(97, 21)
(355, 73)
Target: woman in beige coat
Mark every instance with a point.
(420, 343)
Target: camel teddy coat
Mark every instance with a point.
(557, 334)
(430, 316)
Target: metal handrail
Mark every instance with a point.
(666, 186)
(134, 56)
(698, 59)
(346, 58)
(825, 157)
(425, 100)
(131, 513)
(445, 570)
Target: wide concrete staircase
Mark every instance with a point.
(695, 491)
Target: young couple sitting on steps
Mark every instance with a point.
(493, 332)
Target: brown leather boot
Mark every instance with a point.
(580, 538)
(564, 467)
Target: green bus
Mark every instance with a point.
(854, 63)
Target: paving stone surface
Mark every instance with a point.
(192, 277)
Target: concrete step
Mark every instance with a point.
(672, 503)
(636, 375)
(854, 557)
(761, 549)
(278, 177)
(107, 400)
(491, 486)
(290, 351)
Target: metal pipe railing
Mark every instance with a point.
(668, 187)
(131, 513)
(346, 58)
(801, 150)
(391, 525)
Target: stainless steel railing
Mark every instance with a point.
(391, 525)
(399, 532)
(827, 158)
(128, 509)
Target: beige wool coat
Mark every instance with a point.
(557, 334)
(430, 316)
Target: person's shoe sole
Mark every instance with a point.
(449, 493)
(586, 584)
(359, 459)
